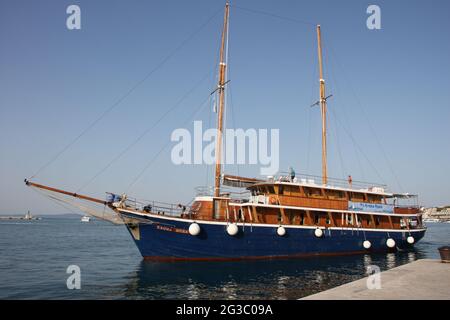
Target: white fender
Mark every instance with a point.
(367, 244)
(318, 232)
(410, 240)
(232, 229)
(390, 243)
(194, 229)
(281, 231)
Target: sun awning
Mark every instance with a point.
(239, 182)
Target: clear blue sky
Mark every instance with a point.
(390, 86)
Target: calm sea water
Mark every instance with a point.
(34, 256)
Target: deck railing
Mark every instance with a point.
(233, 193)
(157, 207)
(331, 182)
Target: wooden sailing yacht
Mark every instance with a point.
(278, 217)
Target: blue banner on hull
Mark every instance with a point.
(371, 207)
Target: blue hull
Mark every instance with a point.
(167, 239)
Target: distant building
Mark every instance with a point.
(441, 213)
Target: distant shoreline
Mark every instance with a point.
(18, 218)
(5, 216)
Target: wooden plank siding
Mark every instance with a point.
(406, 210)
(313, 202)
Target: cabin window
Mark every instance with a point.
(241, 216)
(316, 193)
(279, 216)
(287, 190)
(302, 218)
(335, 194)
(402, 223)
(328, 220)
(377, 221)
(349, 218)
(271, 189)
(369, 221)
(359, 220)
(316, 219)
(357, 197)
(216, 206)
(281, 189)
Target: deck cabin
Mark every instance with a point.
(303, 202)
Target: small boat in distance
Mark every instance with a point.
(29, 216)
(283, 216)
(85, 219)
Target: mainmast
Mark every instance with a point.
(221, 93)
(323, 109)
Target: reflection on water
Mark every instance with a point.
(412, 256)
(35, 255)
(367, 260)
(277, 279)
(390, 260)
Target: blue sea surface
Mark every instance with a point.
(35, 255)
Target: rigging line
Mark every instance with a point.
(209, 126)
(358, 101)
(164, 147)
(233, 119)
(335, 130)
(145, 132)
(308, 141)
(338, 94)
(361, 168)
(336, 135)
(357, 145)
(130, 91)
(41, 193)
(309, 124)
(274, 15)
(213, 100)
(210, 114)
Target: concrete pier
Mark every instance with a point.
(424, 279)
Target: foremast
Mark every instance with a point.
(221, 94)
